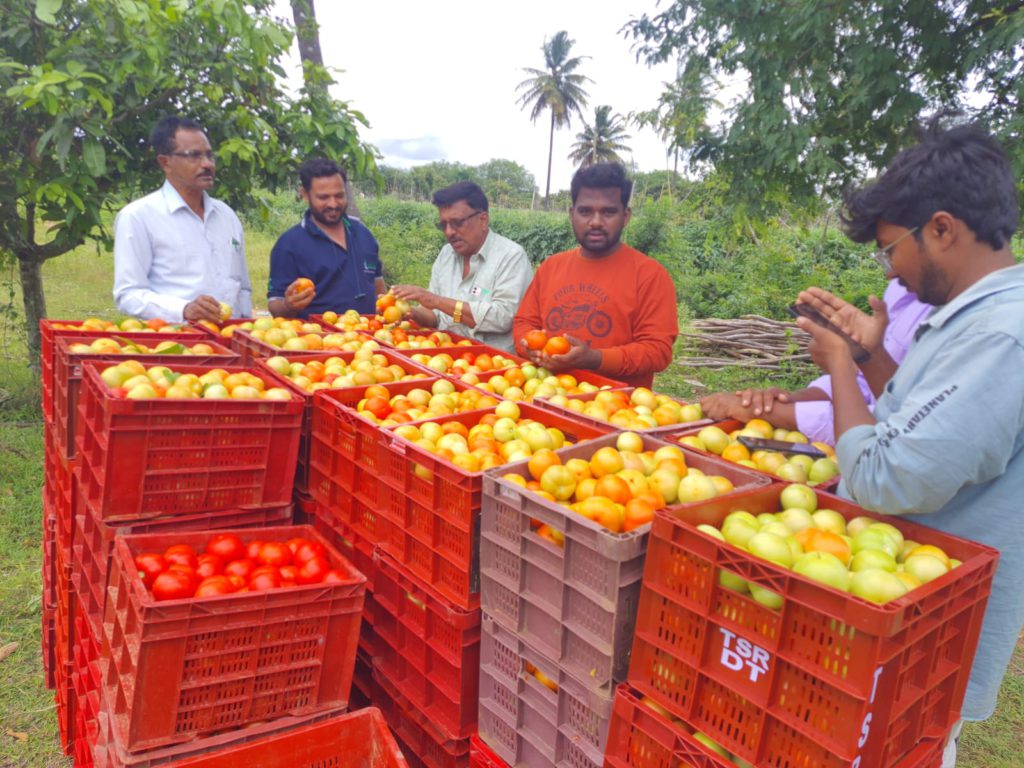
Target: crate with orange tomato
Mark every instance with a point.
(435, 470)
(564, 536)
(637, 409)
(723, 439)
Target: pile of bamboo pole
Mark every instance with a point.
(750, 341)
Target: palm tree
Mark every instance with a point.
(558, 88)
(602, 141)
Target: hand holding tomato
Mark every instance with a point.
(300, 294)
(562, 353)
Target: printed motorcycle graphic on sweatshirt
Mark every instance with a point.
(578, 309)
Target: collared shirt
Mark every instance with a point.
(344, 277)
(165, 256)
(498, 277)
(815, 418)
(946, 451)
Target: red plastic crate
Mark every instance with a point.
(545, 402)
(86, 682)
(47, 334)
(428, 649)
(345, 395)
(67, 372)
(641, 738)
(94, 543)
(728, 426)
(64, 637)
(423, 744)
(482, 756)
(359, 552)
(575, 603)
(436, 526)
(524, 721)
(226, 661)
(803, 685)
(154, 458)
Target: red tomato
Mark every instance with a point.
(242, 568)
(288, 584)
(227, 546)
(190, 573)
(336, 576)
(209, 565)
(252, 549)
(293, 544)
(237, 582)
(308, 550)
(214, 585)
(150, 565)
(172, 585)
(263, 578)
(288, 572)
(275, 553)
(182, 554)
(313, 570)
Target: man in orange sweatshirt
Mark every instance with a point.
(616, 306)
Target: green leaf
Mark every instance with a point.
(174, 349)
(94, 155)
(46, 10)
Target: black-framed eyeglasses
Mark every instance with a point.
(456, 223)
(884, 255)
(195, 155)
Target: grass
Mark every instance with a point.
(78, 285)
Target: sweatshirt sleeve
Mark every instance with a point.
(655, 328)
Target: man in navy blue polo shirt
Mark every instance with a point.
(334, 251)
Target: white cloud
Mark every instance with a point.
(441, 78)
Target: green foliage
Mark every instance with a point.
(82, 83)
(826, 90)
(601, 141)
(506, 183)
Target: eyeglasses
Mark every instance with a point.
(195, 155)
(884, 255)
(456, 223)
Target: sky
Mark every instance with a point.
(437, 81)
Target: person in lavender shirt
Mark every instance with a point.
(809, 410)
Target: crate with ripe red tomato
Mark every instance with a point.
(271, 631)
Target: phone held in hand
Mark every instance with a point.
(799, 309)
(760, 444)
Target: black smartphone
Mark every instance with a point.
(760, 444)
(859, 353)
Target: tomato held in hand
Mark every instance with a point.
(182, 554)
(557, 345)
(214, 585)
(275, 553)
(150, 565)
(172, 585)
(535, 339)
(227, 546)
(313, 570)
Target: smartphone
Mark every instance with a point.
(859, 353)
(760, 444)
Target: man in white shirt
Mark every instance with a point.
(179, 253)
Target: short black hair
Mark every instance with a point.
(461, 190)
(602, 176)
(962, 170)
(161, 138)
(318, 168)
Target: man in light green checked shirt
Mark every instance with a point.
(479, 277)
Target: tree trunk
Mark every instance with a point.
(307, 31)
(551, 151)
(35, 301)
